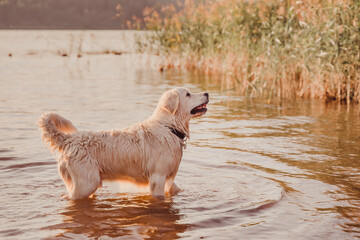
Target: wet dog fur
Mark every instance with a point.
(145, 153)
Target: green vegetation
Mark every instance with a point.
(74, 14)
(286, 48)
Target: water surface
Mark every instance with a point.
(253, 169)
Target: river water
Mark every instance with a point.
(253, 169)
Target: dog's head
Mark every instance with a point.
(181, 102)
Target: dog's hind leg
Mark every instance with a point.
(157, 185)
(65, 175)
(86, 178)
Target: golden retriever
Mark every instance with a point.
(145, 153)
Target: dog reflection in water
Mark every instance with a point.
(130, 217)
(147, 153)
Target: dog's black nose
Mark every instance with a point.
(206, 94)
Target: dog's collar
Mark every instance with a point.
(179, 134)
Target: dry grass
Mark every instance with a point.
(287, 49)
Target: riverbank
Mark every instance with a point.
(285, 49)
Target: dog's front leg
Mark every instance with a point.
(157, 185)
(174, 189)
(171, 188)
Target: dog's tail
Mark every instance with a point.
(55, 130)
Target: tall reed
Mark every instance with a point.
(265, 48)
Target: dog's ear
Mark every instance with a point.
(171, 101)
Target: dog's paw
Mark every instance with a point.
(65, 197)
(174, 189)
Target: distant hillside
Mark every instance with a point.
(73, 14)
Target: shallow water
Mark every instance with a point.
(253, 169)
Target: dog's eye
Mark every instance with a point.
(188, 94)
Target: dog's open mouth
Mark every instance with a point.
(199, 110)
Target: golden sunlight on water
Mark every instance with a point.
(253, 169)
